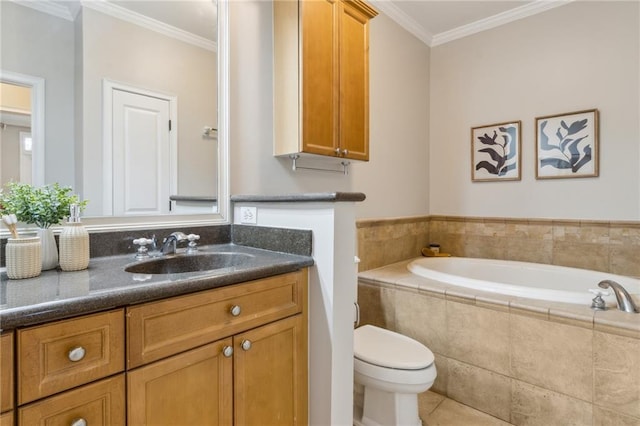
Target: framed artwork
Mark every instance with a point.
(567, 145)
(495, 152)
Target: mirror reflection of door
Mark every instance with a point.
(15, 136)
(142, 171)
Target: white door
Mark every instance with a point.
(141, 160)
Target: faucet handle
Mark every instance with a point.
(143, 251)
(192, 247)
(598, 302)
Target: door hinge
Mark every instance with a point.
(169, 125)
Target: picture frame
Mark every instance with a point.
(495, 152)
(567, 145)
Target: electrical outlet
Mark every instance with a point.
(249, 215)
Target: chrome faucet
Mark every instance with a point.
(169, 244)
(625, 302)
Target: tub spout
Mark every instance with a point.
(625, 302)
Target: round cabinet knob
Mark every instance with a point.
(79, 422)
(75, 355)
(337, 151)
(246, 345)
(227, 351)
(345, 152)
(235, 310)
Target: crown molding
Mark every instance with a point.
(50, 8)
(405, 21)
(431, 40)
(538, 6)
(127, 15)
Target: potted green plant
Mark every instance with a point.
(41, 206)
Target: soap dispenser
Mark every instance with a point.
(74, 243)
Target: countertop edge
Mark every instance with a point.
(305, 197)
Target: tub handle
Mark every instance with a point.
(598, 302)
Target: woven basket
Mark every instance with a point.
(23, 257)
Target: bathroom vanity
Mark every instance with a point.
(227, 346)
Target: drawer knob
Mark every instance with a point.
(246, 345)
(79, 422)
(235, 310)
(75, 355)
(227, 351)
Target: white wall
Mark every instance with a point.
(395, 180)
(580, 56)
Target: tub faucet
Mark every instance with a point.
(169, 243)
(625, 302)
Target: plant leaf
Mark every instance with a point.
(544, 139)
(506, 169)
(487, 140)
(576, 126)
(564, 125)
(584, 160)
(488, 166)
(573, 150)
(556, 163)
(495, 156)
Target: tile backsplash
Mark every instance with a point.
(597, 245)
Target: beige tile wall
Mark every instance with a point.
(523, 368)
(598, 245)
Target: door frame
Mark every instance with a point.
(37, 120)
(108, 87)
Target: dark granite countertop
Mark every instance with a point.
(104, 285)
(304, 197)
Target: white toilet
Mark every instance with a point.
(390, 370)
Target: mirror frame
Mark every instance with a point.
(114, 223)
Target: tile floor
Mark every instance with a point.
(438, 410)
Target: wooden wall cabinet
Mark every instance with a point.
(321, 78)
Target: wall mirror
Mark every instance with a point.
(125, 101)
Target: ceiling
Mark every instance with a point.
(439, 21)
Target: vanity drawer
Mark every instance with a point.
(159, 329)
(59, 356)
(100, 403)
(6, 372)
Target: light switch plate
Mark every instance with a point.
(249, 215)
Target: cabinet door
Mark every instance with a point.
(193, 388)
(6, 372)
(319, 76)
(270, 374)
(100, 403)
(354, 80)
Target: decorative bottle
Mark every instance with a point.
(74, 243)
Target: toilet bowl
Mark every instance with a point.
(390, 370)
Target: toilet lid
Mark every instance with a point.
(388, 349)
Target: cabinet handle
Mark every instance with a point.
(227, 351)
(337, 151)
(75, 355)
(79, 422)
(246, 345)
(235, 310)
(345, 152)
